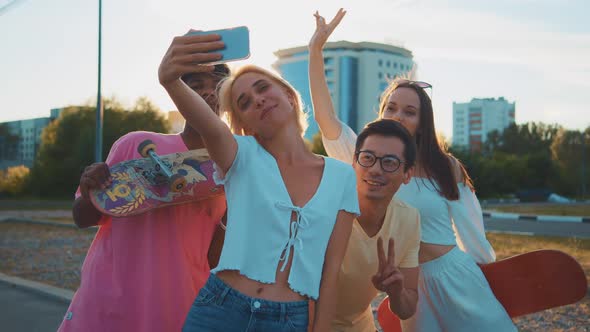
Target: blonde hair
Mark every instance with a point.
(225, 98)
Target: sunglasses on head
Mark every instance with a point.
(421, 84)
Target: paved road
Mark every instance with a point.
(567, 229)
(25, 311)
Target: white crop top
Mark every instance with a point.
(259, 235)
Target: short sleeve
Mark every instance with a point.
(246, 145)
(341, 148)
(469, 228)
(350, 202)
(413, 240)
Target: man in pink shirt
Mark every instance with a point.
(142, 273)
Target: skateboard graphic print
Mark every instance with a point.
(140, 185)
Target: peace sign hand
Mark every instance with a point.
(388, 278)
(323, 30)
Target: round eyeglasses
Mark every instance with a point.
(389, 163)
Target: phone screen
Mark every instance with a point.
(237, 43)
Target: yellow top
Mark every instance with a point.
(355, 288)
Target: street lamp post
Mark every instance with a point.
(583, 164)
(99, 106)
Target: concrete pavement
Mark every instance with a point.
(24, 310)
(503, 215)
(530, 227)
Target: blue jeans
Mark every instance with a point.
(218, 307)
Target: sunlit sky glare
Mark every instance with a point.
(533, 52)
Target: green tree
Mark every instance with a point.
(317, 146)
(516, 159)
(67, 144)
(522, 139)
(492, 143)
(495, 175)
(567, 150)
(13, 180)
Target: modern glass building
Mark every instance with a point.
(29, 135)
(473, 121)
(356, 73)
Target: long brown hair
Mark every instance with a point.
(433, 156)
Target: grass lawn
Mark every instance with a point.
(507, 245)
(543, 209)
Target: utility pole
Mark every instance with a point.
(99, 106)
(583, 164)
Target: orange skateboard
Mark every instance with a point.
(140, 185)
(523, 284)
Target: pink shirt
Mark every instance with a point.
(142, 273)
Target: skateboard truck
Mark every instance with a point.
(147, 149)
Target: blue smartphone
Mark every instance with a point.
(237, 43)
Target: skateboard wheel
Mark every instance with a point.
(145, 146)
(177, 182)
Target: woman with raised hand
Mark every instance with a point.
(453, 294)
(289, 211)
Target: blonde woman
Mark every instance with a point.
(289, 211)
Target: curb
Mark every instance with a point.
(59, 294)
(515, 216)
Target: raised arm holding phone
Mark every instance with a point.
(289, 211)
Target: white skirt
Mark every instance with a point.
(454, 295)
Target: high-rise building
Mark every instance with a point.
(356, 73)
(28, 132)
(473, 121)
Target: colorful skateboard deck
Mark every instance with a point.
(139, 185)
(523, 284)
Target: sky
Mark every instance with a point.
(532, 52)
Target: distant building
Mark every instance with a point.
(356, 73)
(473, 121)
(29, 139)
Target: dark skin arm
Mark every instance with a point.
(217, 244)
(94, 176)
(85, 214)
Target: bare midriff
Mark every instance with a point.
(429, 251)
(279, 291)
